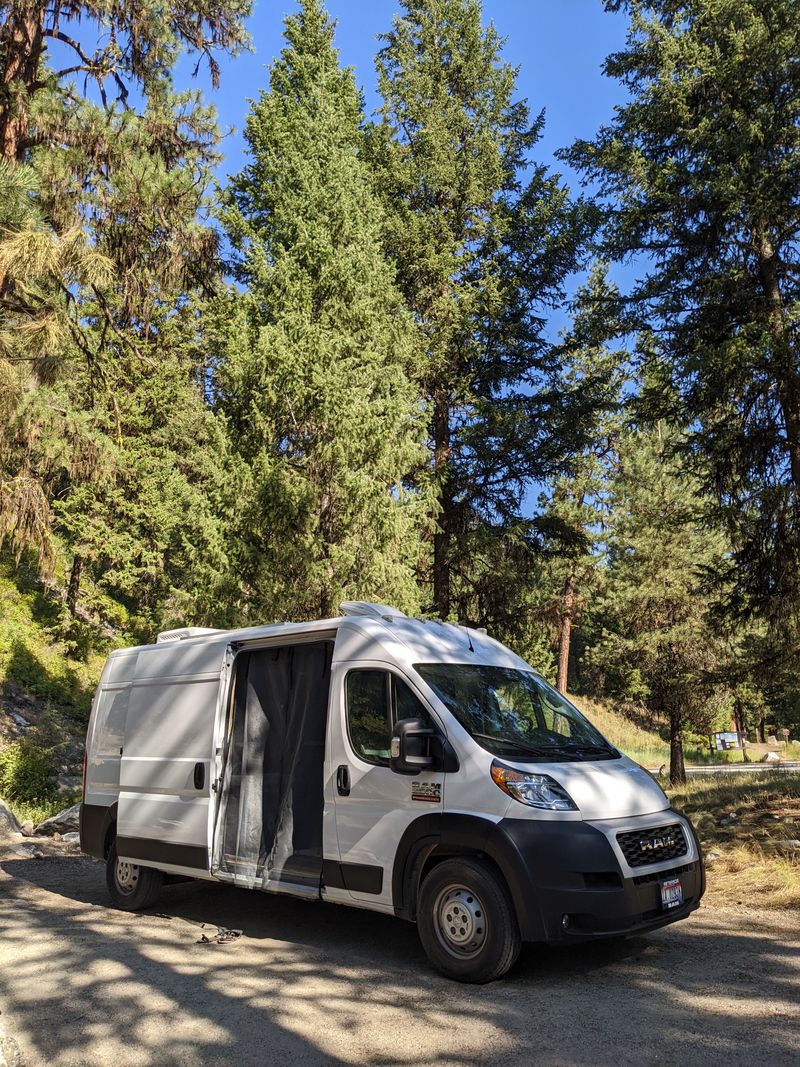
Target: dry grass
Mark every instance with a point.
(746, 824)
(644, 746)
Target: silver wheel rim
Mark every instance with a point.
(126, 876)
(460, 921)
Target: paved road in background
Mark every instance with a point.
(313, 984)
(740, 768)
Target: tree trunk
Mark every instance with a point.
(443, 537)
(740, 719)
(74, 587)
(677, 769)
(22, 43)
(565, 631)
(761, 732)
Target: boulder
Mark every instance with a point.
(72, 838)
(32, 851)
(27, 827)
(8, 821)
(65, 822)
(770, 757)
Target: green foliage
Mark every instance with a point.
(32, 656)
(112, 469)
(41, 808)
(654, 643)
(592, 379)
(700, 173)
(314, 377)
(483, 239)
(27, 771)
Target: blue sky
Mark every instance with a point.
(559, 46)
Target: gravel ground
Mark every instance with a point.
(81, 983)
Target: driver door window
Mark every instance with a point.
(376, 700)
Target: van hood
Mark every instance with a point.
(606, 789)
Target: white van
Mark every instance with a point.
(410, 767)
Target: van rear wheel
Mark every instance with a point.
(131, 886)
(466, 921)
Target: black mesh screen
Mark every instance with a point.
(269, 822)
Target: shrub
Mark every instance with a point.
(27, 771)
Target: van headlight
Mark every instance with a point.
(535, 790)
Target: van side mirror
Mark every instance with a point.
(411, 747)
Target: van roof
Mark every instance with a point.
(404, 638)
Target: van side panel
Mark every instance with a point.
(168, 755)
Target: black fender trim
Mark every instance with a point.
(153, 853)
(456, 834)
(94, 823)
(355, 877)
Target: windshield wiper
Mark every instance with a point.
(590, 749)
(530, 750)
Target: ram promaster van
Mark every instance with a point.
(415, 768)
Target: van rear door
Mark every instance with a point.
(165, 771)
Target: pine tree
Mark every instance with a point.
(700, 170)
(592, 378)
(483, 239)
(96, 277)
(315, 378)
(656, 643)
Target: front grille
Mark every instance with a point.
(659, 876)
(656, 844)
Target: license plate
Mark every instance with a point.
(671, 893)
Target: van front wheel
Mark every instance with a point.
(466, 921)
(131, 887)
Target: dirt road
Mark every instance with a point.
(319, 984)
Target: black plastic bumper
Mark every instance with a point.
(577, 889)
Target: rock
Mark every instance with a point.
(8, 821)
(28, 850)
(27, 827)
(711, 858)
(72, 838)
(65, 822)
(770, 757)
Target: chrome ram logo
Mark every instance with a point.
(654, 844)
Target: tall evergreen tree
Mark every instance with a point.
(483, 239)
(592, 377)
(315, 381)
(700, 169)
(655, 642)
(96, 277)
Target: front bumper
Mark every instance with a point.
(577, 871)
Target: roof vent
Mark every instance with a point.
(167, 636)
(370, 611)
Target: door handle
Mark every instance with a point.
(199, 775)
(343, 781)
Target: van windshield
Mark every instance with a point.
(515, 713)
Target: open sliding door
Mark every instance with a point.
(268, 825)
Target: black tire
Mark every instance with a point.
(132, 887)
(466, 921)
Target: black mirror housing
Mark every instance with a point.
(411, 747)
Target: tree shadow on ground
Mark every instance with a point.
(315, 983)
